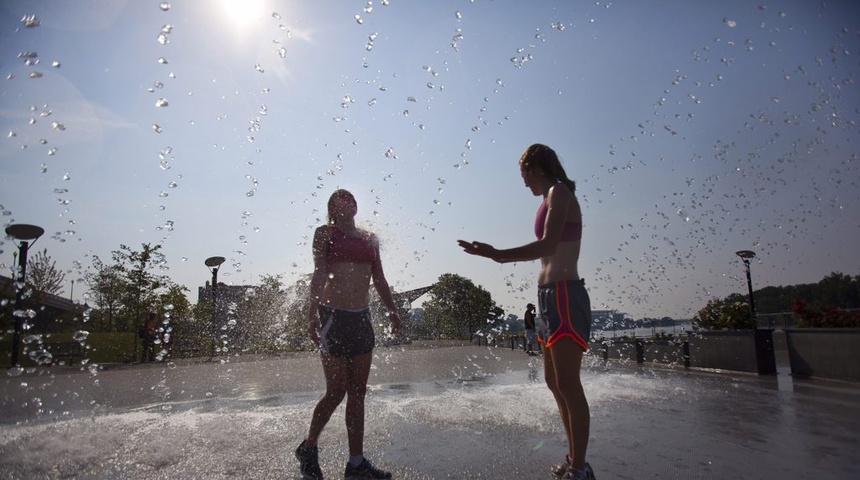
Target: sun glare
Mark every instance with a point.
(243, 13)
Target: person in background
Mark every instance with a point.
(346, 260)
(564, 324)
(529, 320)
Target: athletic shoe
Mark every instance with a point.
(365, 471)
(309, 462)
(570, 475)
(558, 470)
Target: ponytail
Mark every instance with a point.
(544, 158)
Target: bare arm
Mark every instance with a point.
(558, 203)
(320, 275)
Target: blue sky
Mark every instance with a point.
(693, 129)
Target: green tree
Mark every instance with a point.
(724, 315)
(260, 315)
(106, 287)
(43, 274)
(130, 289)
(174, 313)
(458, 308)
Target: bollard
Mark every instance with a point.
(685, 349)
(640, 351)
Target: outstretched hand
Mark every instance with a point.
(477, 248)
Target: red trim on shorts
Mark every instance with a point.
(565, 326)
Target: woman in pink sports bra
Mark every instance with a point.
(346, 259)
(564, 308)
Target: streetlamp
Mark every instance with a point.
(746, 256)
(24, 234)
(214, 263)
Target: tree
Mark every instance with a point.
(260, 315)
(458, 307)
(174, 311)
(129, 290)
(43, 274)
(106, 290)
(725, 315)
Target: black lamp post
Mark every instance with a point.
(214, 263)
(746, 256)
(24, 234)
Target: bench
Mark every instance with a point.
(61, 350)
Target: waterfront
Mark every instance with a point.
(446, 412)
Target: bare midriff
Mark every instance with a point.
(347, 285)
(561, 266)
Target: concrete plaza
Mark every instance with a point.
(433, 412)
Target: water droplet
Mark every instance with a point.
(157, 128)
(730, 23)
(55, 64)
(58, 126)
(30, 21)
(35, 74)
(81, 335)
(358, 19)
(164, 6)
(259, 68)
(161, 102)
(162, 61)
(390, 153)
(162, 39)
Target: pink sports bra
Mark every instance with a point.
(572, 231)
(345, 248)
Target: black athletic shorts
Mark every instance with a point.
(345, 333)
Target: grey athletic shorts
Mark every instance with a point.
(565, 311)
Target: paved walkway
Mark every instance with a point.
(433, 413)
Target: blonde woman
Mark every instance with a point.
(346, 260)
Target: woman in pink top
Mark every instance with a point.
(346, 259)
(564, 321)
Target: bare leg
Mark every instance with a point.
(336, 380)
(551, 379)
(565, 365)
(359, 370)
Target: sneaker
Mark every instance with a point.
(365, 471)
(558, 470)
(309, 462)
(570, 475)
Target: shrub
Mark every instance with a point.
(821, 316)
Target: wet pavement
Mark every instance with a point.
(440, 412)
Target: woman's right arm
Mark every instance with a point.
(318, 279)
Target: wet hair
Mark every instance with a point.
(336, 195)
(545, 159)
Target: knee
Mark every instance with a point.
(357, 392)
(334, 395)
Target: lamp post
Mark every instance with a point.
(214, 263)
(746, 256)
(25, 234)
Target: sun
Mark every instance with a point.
(242, 14)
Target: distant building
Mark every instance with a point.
(50, 310)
